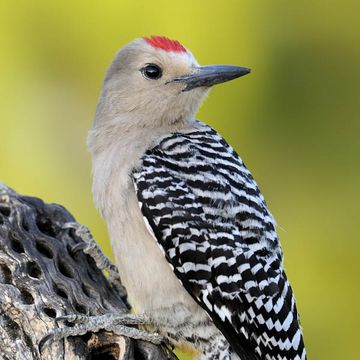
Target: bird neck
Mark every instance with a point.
(110, 132)
(116, 150)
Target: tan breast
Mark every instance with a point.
(152, 286)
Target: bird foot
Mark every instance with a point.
(89, 246)
(115, 323)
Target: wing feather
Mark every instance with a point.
(207, 214)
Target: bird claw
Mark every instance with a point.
(80, 230)
(75, 318)
(110, 322)
(78, 247)
(90, 247)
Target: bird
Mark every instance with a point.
(191, 233)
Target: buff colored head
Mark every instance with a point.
(155, 81)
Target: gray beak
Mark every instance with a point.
(210, 75)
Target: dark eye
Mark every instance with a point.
(152, 71)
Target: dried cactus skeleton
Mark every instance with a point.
(46, 277)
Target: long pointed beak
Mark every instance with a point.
(211, 75)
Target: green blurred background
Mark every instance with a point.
(294, 121)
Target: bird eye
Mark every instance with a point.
(152, 71)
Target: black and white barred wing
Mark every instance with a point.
(209, 217)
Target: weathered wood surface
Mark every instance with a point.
(41, 279)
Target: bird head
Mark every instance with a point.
(156, 81)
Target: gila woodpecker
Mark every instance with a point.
(193, 239)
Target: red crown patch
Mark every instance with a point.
(164, 43)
